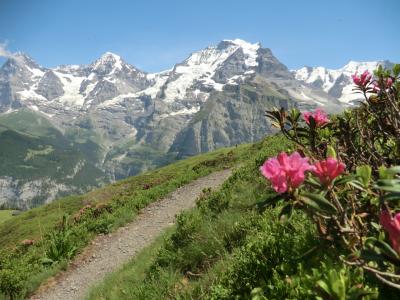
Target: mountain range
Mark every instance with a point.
(66, 129)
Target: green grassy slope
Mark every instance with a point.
(24, 120)
(226, 248)
(5, 215)
(30, 224)
(110, 207)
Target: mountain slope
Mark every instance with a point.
(126, 121)
(112, 206)
(38, 164)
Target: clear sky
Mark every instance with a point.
(155, 34)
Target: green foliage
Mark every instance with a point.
(5, 214)
(336, 285)
(273, 250)
(32, 149)
(308, 244)
(12, 281)
(364, 172)
(100, 211)
(347, 210)
(61, 245)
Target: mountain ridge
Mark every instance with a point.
(338, 82)
(134, 120)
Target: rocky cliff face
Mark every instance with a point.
(230, 117)
(133, 120)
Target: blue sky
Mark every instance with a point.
(153, 35)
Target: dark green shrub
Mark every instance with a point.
(12, 281)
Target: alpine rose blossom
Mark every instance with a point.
(286, 172)
(327, 170)
(389, 82)
(362, 80)
(319, 116)
(387, 85)
(392, 226)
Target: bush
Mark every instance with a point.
(61, 245)
(348, 209)
(12, 281)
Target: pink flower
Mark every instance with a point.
(375, 87)
(319, 116)
(387, 85)
(328, 169)
(392, 226)
(389, 82)
(286, 172)
(27, 242)
(363, 80)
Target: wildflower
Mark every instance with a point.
(389, 82)
(386, 83)
(319, 116)
(375, 87)
(286, 172)
(392, 226)
(327, 170)
(363, 80)
(27, 242)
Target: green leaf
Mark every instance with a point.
(286, 213)
(330, 152)
(388, 173)
(382, 172)
(322, 284)
(364, 173)
(294, 115)
(313, 182)
(391, 196)
(318, 202)
(359, 293)
(270, 201)
(396, 70)
(388, 185)
(339, 288)
(384, 247)
(47, 261)
(344, 180)
(357, 184)
(394, 170)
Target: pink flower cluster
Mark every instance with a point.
(328, 169)
(392, 226)
(287, 172)
(387, 85)
(319, 116)
(362, 80)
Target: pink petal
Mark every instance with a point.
(270, 168)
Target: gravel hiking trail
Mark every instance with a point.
(107, 253)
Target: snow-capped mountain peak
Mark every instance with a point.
(338, 82)
(212, 67)
(21, 61)
(357, 66)
(249, 49)
(108, 62)
(111, 82)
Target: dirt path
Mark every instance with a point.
(108, 253)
